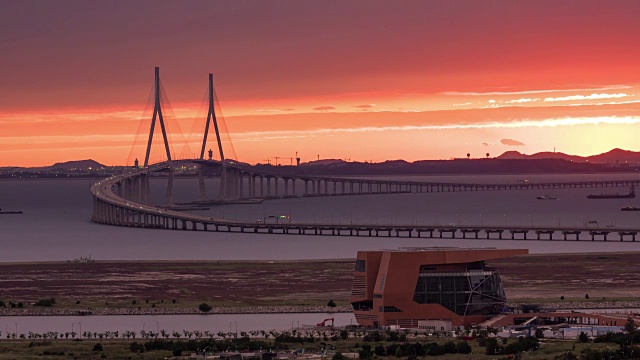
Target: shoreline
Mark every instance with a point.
(623, 306)
(219, 310)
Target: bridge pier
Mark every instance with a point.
(202, 191)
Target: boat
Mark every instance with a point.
(630, 208)
(630, 195)
(546, 197)
(9, 212)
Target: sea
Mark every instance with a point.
(56, 221)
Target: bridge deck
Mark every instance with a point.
(111, 208)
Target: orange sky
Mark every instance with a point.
(359, 80)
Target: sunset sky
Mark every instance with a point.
(361, 80)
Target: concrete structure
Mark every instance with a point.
(404, 288)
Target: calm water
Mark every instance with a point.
(170, 323)
(56, 221)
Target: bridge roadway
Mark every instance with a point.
(111, 207)
(246, 183)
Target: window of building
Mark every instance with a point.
(388, 309)
(471, 292)
(377, 296)
(361, 265)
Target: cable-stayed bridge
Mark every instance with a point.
(125, 199)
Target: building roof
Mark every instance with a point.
(451, 255)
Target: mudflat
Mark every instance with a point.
(599, 280)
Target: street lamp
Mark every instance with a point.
(79, 323)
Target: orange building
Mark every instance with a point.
(406, 286)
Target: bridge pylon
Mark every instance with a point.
(157, 114)
(211, 118)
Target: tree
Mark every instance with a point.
(97, 347)
(331, 303)
(468, 156)
(583, 337)
(631, 329)
(487, 155)
(204, 307)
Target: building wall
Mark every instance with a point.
(391, 278)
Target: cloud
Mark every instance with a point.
(511, 142)
(485, 144)
(462, 93)
(364, 106)
(522, 101)
(516, 124)
(274, 110)
(593, 96)
(324, 107)
(491, 101)
(462, 104)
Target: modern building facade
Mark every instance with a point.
(403, 287)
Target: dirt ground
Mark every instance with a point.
(548, 277)
(541, 278)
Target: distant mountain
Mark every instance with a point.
(75, 165)
(324, 162)
(617, 156)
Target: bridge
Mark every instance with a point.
(125, 199)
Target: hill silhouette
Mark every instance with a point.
(615, 156)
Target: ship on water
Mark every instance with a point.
(630, 195)
(9, 212)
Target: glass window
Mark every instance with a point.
(361, 265)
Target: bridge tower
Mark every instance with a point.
(211, 118)
(157, 114)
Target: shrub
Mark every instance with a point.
(204, 307)
(449, 347)
(434, 349)
(338, 356)
(331, 303)
(561, 297)
(463, 348)
(379, 350)
(45, 302)
(583, 337)
(491, 345)
(97, 347)
(136, 347)
(344, 334)
(366, 352)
